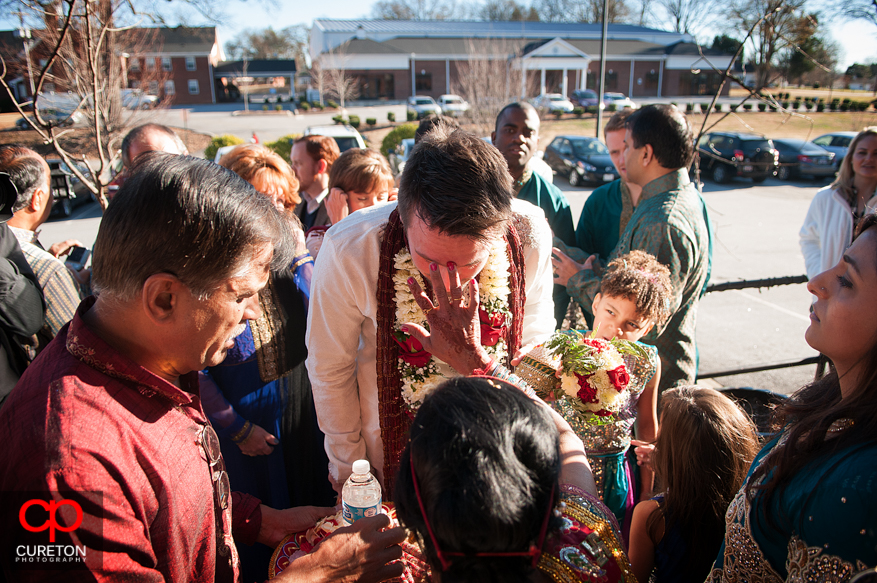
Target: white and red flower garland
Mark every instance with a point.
(419, 370)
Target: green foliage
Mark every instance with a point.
(576, 357)
(265, 107)
(558, 113)
(395, 137)
(220, 142)
(820, 107)
(593, 109)
(339, 119)
(278, 107)
(370, 121)
(762, 106)
(728, 45)
(331, 104)
(689, 107)
(612, 107)
(844, 107)
(354, 122)
(283, 146)
(391, 117)
(578, 111)
(704, 107)
(411, 115)
(304, 105)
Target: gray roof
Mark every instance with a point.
(366, 46)
(469, 28)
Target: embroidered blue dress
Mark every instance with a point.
(826, 519)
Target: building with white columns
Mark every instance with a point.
(394, 59)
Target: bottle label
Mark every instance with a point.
(353, 513)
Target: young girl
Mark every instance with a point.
(703, 451)
(634, 297)
(359, 178)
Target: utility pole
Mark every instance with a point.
(602, 66)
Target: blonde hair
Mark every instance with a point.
(844, 183)
(258, 165)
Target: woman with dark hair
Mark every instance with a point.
(836, 210)
(497, 487)
(808, 510)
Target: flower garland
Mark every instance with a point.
(418, 369)
(594, 379)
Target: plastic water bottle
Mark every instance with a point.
(361, 495)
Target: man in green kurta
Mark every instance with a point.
(670, 222)
(516, 136)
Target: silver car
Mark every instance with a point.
(837, 142)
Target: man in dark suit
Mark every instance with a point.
(312, 158)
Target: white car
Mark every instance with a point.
(453, 105)
(619, 100)
(346, 136)
(423, 105)
(553, 102)
(139, 100)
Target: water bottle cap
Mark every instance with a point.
(361, 467)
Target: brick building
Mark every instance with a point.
(394, 59)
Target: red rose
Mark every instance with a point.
(411, 350)
(587, 393)
(604, 413)
(492, 327)
(619, 377)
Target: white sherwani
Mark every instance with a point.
(342, 324)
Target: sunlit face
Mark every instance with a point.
(359, 200)
(617, 317)
(632, 160)
(865, 157)
(153, 141)
(843, 323)
(304, 166)
(428, 245)
(213, 324)
(517, 137)
(615, 143)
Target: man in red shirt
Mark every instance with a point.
(109, 468)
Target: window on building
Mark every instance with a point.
(423, 82)
(170, 88)
(190, 63)
(134, 64)
(377, 86)
(166, 63)
(153, 87)
(150, 63)
(193, 87)
(652, 80)
(611, 81)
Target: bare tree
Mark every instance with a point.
(414, 9)
(340, 83)
(689, 16)
(859, 10)
(85, 51)
(778, 27)
(581, 10)
(489, 79)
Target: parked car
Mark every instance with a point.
(837, 142)
(423, 105)
(453, 105)
(585, 97)
(552, 102)
(346, 136)
(68, 191)
(53, 116)
(619, 100)
(580, 159)
(400, 155)
(724, 155)
(802, 158)
(139, 100)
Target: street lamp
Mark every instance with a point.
(24, 34)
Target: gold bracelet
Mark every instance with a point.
(243, 433)
(301, 262)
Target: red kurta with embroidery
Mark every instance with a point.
(121, 442)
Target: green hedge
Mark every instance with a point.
(411, 115)
(391, 117)
(395, 137)
(283, 146)
(353, 120)
(220, 142)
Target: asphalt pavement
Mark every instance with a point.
(756, 236)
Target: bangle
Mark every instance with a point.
(306, 259)
(502, 373)
(243, 433)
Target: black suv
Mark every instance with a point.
(724, 155)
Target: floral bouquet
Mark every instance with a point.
(594, 380)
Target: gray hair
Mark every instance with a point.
(187, 217)
(27, 170)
